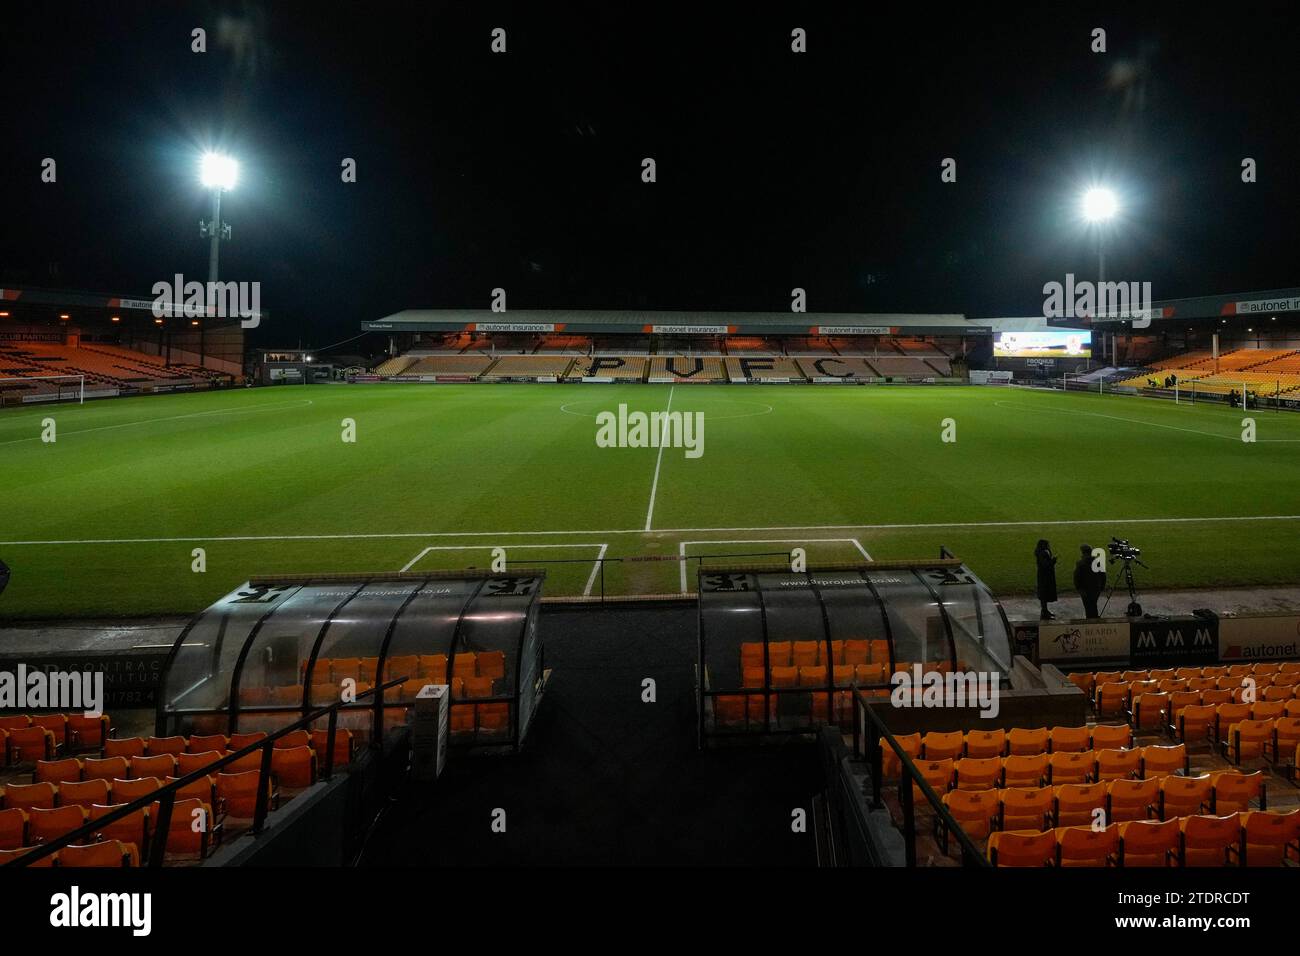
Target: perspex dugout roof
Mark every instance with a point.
(780, 651)
(276, 648)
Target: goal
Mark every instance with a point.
(43, 388)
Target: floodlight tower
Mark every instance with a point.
(1099, 206)
(218, 173)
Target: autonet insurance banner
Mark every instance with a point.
(1259, 638)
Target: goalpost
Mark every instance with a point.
(43, 388)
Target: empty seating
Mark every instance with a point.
(1210, 840)
(124, 747)
(1084, 846)
(83, 793)
(107, 853)
(1231, 791)
(1128, 799)
(1149, 842)
(1027, 808)
(1077, 804)
(1019, 848)
(29, 796)
(1269, 839)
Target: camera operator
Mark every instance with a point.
(1089, 583)
(4, 576)
(1046, 589)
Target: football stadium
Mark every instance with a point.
(461, 512)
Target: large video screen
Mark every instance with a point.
(1059, 343)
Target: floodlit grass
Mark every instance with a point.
(103, 521)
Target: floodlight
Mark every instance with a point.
(1099, 204)
(217, 171)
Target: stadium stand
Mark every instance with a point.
(470, 366)
(625, 368)
(698, 368)
(901, 366)
(1174, 792)
(765, 367)
(528, 366)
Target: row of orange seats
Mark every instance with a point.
(431, 667)
(812, 653)
(1254, 739)
(290, 695)
(296, 766)
(1126, 699)
(1193, 715)
(1215, 722)
(1016, 742)
(1258, 838)
(105, 853)
(223, 790)
(979, 812)
(987, 773)
(28, 737)
(133, 748)
(188, 832)
(1086, 680)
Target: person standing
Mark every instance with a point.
(1090, 583)
(1046, 562)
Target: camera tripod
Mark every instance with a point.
(1134, 608)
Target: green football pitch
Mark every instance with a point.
(105, 520)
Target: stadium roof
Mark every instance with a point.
(672, 323)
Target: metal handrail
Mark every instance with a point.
(971, 855)
(165, 796)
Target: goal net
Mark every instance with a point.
(42, 388)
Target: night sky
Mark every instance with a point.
(523, 170)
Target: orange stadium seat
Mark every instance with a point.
(1026, 808)
(1084, 846)
(1157, 761)
(986, 743)
(124, 747)
(1132, 799)
(1111, 737)
(1184, 796)
(1070, 739)
(13, 828)
(1118, 764)
(106, 768)
(941, 746)
(1210, 840)
(1027, 742)
(974, 810)
(45, 826)
(1019, 848)
(83, 793)
(29, 796)
(1076, 804)
(972, 773)
(1071, 767)
(1271, 838)
(1149, 842)
(1231, 791)
(57, 771)
(107, 853)
(1025, 771)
